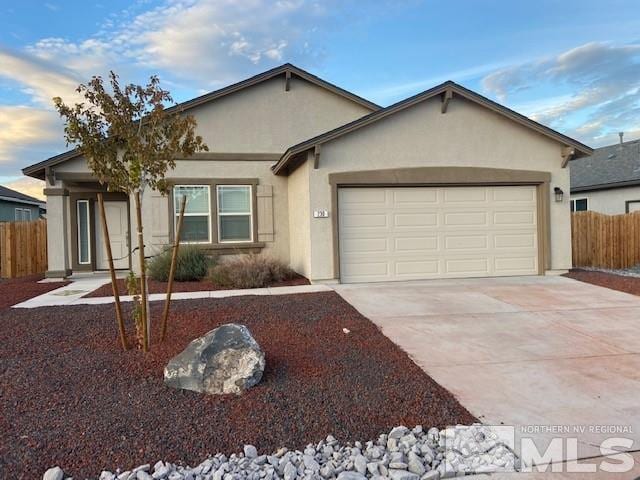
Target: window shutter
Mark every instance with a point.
(160, 216)
(264, 194)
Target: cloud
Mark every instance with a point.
(601, 83)
(395, 92)
(27, 135)
(217, 41)
(28, 186)
(39, 77)
(195, 46)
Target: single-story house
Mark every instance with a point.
(18, 207)
(608, 181)
(444, 184)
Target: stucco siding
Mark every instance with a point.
(468, 135)
(299, 220)
(266, 118)
(156, 207)
(612, 201)
(261, 119)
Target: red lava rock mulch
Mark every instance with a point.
(70, 397)
(203, 285)
(18, 290)
(608, 280)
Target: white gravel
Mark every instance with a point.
(625, 272)
(401, 454)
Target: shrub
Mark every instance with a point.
(250, 271)
(191, 265)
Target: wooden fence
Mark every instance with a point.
(23, 248)
(605, 241)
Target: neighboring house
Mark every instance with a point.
(443, 184)
(16, 206)
(608, 181)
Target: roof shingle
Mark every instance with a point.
(8, 193)
(614, 165)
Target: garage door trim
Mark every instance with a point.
(447, 177)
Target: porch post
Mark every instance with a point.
(58, 258)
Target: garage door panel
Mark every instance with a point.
(465, 219)
(369, 196)
(364, 220)
(415, 219)
(509, 195)
(514, 218)
(366, 245)
(413, 198)
(416, 244)
(467, 266)
(467, 195)
(417, 268)
(514, 264)
(366, 269)
(523, 240)
(436, 232)
(466, 242)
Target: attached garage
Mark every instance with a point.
(445, 184)
(408, 233)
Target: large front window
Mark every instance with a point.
(234, 213)
(196, 225)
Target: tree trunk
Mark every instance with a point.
(112, 271)
(172, 270)
(143, 276)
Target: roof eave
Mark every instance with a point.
(581, 150)
(605, 186)
(37, 169)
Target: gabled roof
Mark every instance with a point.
(454, 89)
(9, 195)
(608, 167)
(37, 170)
(284, 69)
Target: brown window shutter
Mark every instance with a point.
(264, 194)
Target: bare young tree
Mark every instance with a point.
(130, 139)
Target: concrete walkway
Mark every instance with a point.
(522, 351)
(82, 285)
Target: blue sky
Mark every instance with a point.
(573, 65)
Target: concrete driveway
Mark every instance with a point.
(524, 351)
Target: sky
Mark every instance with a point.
(573, 65)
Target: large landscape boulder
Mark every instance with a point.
(225, 360)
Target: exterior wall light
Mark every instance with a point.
(558, 193)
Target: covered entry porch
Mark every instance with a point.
(77, 220)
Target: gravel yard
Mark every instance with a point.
(69, 397)
(623, 283)
(203, 285)
(18, 290)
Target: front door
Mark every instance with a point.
(118, 224)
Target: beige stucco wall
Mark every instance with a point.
(58, 234)
(266, 118)
(612, 201)
(261, 119)
(156, 207)
(299, 220)
(467, 135)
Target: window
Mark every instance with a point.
(22, 214)
(84, 234)
(579, 205)
(196, 225)
(235, 213)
